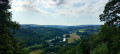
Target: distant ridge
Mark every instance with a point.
(55, 26)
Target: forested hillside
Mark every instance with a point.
(52, 39)
(38, 35)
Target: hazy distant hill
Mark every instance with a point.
(57, 26)
(49, 26)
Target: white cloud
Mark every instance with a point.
(88, 8)
(60, 7)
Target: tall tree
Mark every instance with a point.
(7, 28)
(110, 31)
(111, 13)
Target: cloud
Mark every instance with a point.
(60, 7)
(87, 7)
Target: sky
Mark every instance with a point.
(57, 12)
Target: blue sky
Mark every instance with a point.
(58, 12)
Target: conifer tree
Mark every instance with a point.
(7, 26)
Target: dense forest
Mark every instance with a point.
(57, 39)
(49, 38)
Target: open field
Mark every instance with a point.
(73, 37)
(36, 51)
(82, 30)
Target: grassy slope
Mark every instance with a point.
(36, 51)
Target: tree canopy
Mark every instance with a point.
(8, 44)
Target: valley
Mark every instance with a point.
(59, 26)
(72, 38)
(39, 39)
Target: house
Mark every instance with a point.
(64, 39)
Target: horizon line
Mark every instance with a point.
(62, 25)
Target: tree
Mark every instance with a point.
(111, 13)
(100, 49)
(110, 31)
(7, 28)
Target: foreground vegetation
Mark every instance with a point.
(8, 44)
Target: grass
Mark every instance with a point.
(64, 35)
(31, 48)
(82, 30)
(36, 51)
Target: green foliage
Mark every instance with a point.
(67, 36)
(100, 49)
(38, 35)
(110, 35)
(41, 35)
(87, 31)
(8, 44)
(34, 47)
(110, 13)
